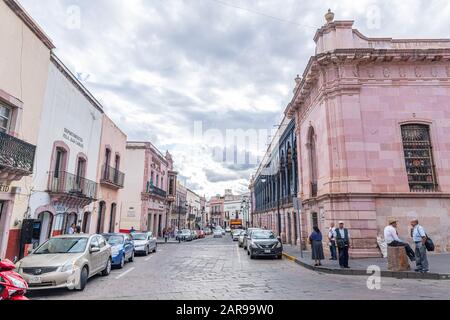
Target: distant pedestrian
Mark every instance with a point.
(343, 244)
(316, 245)
(420, 238)
(72, 228)
(332, 241)
(132, 230)
(392, 239)
(78, 230)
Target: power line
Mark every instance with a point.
(261, 14)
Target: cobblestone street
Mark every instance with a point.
(218, 269)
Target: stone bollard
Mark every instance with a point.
(397, 259)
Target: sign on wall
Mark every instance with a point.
(4, 188)
(73, 138)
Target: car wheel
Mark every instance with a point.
(107, 269)
(280, 257)
(83, 278)
(132, 257)
(122, 262)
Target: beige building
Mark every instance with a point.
(24, 66)
(105, 216)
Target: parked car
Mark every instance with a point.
(235, 234)
(217, 233)
(227, 229)
(241, 238)
(264, 243)
(246, 235)
(122, 248)
(208, 231)
(201, 234)
(184, 235)
(144, 242)
(66, 262)
(194, 235)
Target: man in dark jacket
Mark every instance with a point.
(343, 244)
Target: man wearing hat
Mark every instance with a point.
(392, 239)
(343, 244)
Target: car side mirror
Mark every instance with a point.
(94, 249)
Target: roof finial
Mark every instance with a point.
(329, 16)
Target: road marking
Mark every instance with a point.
(126, 272)
(239, 255)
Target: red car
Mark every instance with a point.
(200, 234)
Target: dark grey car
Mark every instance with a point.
(264, 243)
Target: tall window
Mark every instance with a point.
(5, 118)
(419, 158)
(312, 161)
(59, 163)
(81, 172)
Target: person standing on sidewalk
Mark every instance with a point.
(420, 237)
(316, 245)
(392, 239)
(343, 244)
(332, 241)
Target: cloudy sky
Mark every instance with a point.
(164, 67)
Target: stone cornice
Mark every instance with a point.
(359, 57)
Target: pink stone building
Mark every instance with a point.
(373, 126)
(216, 212)
(150, 189)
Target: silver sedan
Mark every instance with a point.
(144, 242)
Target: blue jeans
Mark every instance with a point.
(421, 257)
(333, 250)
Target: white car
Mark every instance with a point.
(218, 233)
(144, 242)
(236, 233)
(228, 229)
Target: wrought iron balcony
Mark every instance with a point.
(16, 155)
(152, 190)
(112, 177)
(62, 182)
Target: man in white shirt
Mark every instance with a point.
(420, 237)
(392, 239)
(332, 240)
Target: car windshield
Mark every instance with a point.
(139, 236)
(263, 234)
(186, 231)
(114, 240)
(63, 245)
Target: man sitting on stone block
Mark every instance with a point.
(392, 239)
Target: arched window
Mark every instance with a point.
(312, 161)
(418, 151)
(112, 221)
(101, 216)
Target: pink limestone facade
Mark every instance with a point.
(150, 189)
(373, 134)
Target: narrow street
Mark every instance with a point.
(218, 269)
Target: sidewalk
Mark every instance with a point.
(439, 265)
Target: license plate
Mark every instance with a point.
(267, 251)
(35, 280)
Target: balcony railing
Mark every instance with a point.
(16, 154)
(64, 182)
(111, 175)
(313, 189)
(157, 191)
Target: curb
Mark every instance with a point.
(359, 272)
